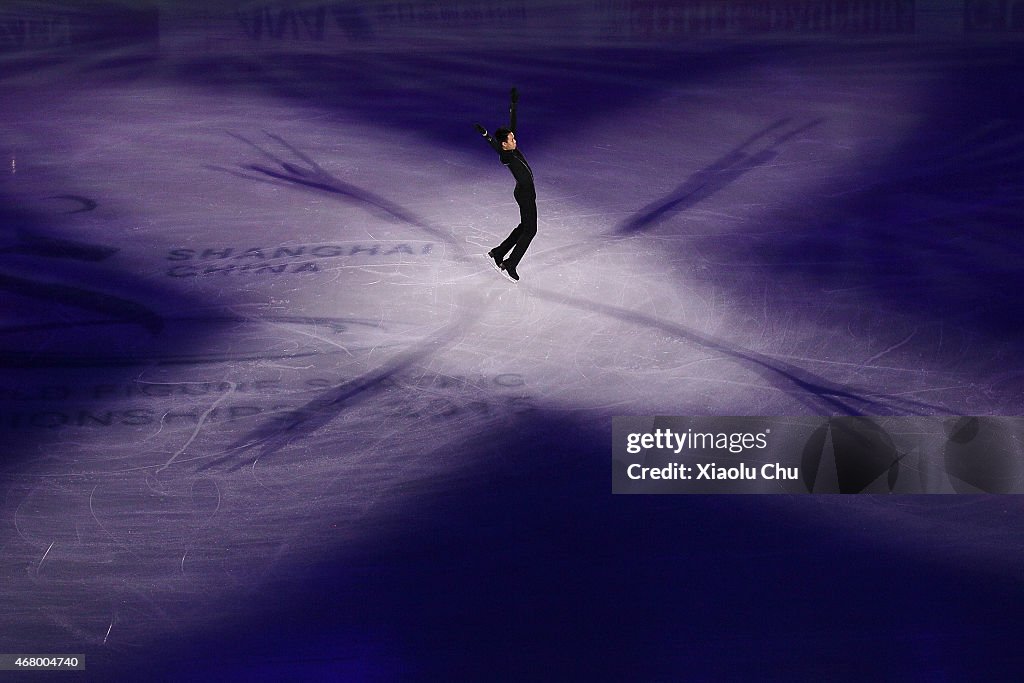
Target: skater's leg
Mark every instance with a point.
(526, 232)
(502, 249)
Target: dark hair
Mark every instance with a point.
(501, 135)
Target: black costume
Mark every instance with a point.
(526, 197)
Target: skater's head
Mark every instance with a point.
(507, 139)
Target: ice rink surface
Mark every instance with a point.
(268, 413)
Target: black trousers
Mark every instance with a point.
(519, 239)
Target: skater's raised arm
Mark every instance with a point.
(514, 100)
(503, 140)
(490, 140)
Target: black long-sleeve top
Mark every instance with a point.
(514, 159)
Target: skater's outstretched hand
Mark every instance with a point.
(514, 95)
(480, 129)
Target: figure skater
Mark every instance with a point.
(504, 143)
